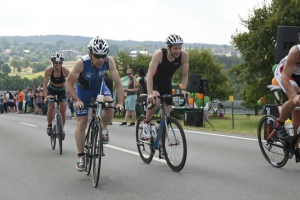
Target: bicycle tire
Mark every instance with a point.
(59, 128)
(145, 147)
(88, 146)
(273, 150)
(53, 137)
(174, 144)
(97, 155)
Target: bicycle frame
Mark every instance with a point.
(163, 122)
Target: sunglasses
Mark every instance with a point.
(59, 63)
(129, 73)
(103, 56)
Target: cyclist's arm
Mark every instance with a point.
(293, 58)
(66, 72)
(73, 76)
(185, 69)
(156, 59)
(116, 78)
(46, 80)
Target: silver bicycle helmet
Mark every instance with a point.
(98, 46)
(57, 57)
(174, 39)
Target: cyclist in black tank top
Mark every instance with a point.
(55, 86)
(164, 63)
(166, 69)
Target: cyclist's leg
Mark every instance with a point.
(107, 114)
(63, 105)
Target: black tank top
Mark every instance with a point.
(57, 80)
(166, 69)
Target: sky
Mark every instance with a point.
(196, 21)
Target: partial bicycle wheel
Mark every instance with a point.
(97, 154)
(271, 148)
(53, 137)
(174, 145)
(145, 146)
(59, 128)
(88, 148)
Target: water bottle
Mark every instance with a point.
(154, 130)
(289, 127)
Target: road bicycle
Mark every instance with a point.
(275, 151)
(93, 148)
(217, 110)
(170, 136)
(58, 128)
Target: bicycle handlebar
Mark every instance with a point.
(165, 96)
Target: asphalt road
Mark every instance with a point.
(217, 167)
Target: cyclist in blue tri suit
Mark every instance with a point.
(88, 72)
(54, 84)
(164, 63)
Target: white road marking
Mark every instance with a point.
(132, 152)
(220, 135)
(28, 124)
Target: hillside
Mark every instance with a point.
(79, 40)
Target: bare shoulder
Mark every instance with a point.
(48, 70)
(112, 64)
(184, 55)
(78, 66)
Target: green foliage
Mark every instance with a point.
(16, 82)
(203, 62)
(257, 47)
(123, 62)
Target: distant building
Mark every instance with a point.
(8, 51)
(134, 54)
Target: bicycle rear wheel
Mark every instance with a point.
(174, 145)
(273, 150)
(53, 137)
(97, 154)
(88, 148)
(59, 127)
(145, 146)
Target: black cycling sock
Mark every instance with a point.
(49, 125)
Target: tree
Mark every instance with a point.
(14, 63)
(25, 63)
(141, 61)
(123, 62)
(202, 62)
(6, 68)
(257, 47)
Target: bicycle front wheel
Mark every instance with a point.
(174, 145)
(97, 155)
(53, 137)
(145, 146)
(273, 150)
(59, 127)
(88, 148)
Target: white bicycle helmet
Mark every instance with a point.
(98, 46)
(174, 39)
(57, 57)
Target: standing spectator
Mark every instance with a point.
(130, 100)
(26, 100)
(141, 83)
(11, 107)
(1, 104)
(20, 99)
(38, 100)
(30, 100)
(5, 102)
